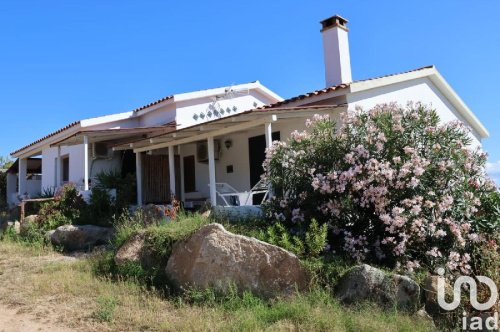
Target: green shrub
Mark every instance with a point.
(488, 217)
(316, 238)
(159, 241)
(394, 184)
(125, 186)
(278, 235)
(310, 244)
(32, 234)
(106, 306)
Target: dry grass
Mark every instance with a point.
(64, 291)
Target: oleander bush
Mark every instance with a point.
(394, 186)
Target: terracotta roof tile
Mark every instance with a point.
(71, 125)
(156, 102)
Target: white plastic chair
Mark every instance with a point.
(232, 197)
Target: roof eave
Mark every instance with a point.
(455, 99)
(34, 148)
(437, 79)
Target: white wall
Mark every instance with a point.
(421, 89)
(11, 188)
(76, 165)
(34, 188)
(197, 111)
(160, 116)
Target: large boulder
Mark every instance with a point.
(80, 237)
(364, 282)
(430, 288)
(135, 251)
(214, 257)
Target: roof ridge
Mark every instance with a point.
(156, 102)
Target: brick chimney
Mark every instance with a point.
(336, 51)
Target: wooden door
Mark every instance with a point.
(156, 179)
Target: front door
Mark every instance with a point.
(156, 179)
(257, 155)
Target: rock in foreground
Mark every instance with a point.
(365, 282)
(135, 251)
(214, 257)
(80, 237)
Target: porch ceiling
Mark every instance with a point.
(223, 126)
(115, 136)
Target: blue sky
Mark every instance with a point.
(62, 61)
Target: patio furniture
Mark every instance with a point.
(232, 197)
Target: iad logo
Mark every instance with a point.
(476, 323)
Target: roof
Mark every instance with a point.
(336, 87)
(428, 71)
(120, 116)
(71, 125)
(156, 102)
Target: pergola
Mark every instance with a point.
(211, 129)
(111, 137)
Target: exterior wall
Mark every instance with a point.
(193, 112)
(34, 187)
(421, 89)
(11, 189)
(76, 165)
(159, 116)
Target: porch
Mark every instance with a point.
(190, 162)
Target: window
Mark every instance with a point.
(65, 168)
(189, 174)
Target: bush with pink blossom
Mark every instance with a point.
(393, 184)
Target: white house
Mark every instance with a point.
(186, 143)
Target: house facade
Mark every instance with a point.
(186, 144)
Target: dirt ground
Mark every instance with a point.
(15, 320)
(18, 312)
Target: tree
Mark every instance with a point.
(5, 162)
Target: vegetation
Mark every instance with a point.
(5, 163)
(394, 186)
(54, 286)
(391, 186)
(159, 239)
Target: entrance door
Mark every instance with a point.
(257, 155)
(156, 178)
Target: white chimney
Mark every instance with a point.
(336, 51)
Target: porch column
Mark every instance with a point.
(86, 162)
(269, 134)
(171, 168)
(138, 171)
(58, 167)
(211, 171)
(22, 173)
(269, 141)
(181, 194)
